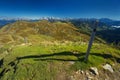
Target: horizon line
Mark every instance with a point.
(52, 17)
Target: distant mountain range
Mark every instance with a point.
(102, 21)
(4, 22)
(110, 22)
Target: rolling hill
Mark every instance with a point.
(35, 30)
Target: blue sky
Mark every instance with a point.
(61, 8)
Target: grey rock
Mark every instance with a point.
(71, 62)
(72, 78)
(75, 52)
(78, 72)
(82, 72)
(89, 78)
(94, 70)
(108, 67)
(86, 73)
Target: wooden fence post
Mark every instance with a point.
(91, 40)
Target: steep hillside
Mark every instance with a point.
(110, 35)
(105, 29)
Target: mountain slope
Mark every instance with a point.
(46, 50)
(110, 35)
(55, 30)
(105, 29)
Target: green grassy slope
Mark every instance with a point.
(49, 53)
(41, 62)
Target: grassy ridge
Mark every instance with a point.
(48, 51)
(20, 30)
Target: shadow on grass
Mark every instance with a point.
(54, 56)
(1, 62)
(58, 56)
(107, 56)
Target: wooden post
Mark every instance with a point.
(91, 40)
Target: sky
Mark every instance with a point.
(60, 8)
